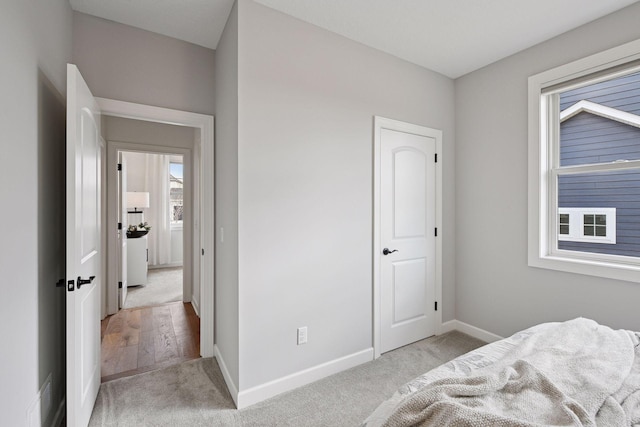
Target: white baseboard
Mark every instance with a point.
(168, 265)
(233, 390)
(447, 327)
(262, 392)
(60, 413)
(298, 379)
(481, 334)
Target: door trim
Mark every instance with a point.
(395, 125)
(190, 244)
(205, 124)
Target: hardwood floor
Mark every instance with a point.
(143, 339)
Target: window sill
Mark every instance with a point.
(598, 268)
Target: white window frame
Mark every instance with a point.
(576, 225)
(544, 118)
(176, 225)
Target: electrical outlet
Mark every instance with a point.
(302, 335)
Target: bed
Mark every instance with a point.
(574, 373)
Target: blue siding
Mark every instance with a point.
(588, 138)
(622, 93)
(620, 190)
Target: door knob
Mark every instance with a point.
(82, 281)
(386, 251)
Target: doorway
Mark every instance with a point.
(203, 170)
(157, 324)
(155, 213)
(407, 245)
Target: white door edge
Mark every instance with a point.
(396, 125)
(205, 124)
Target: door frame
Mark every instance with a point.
(190, 244)
(202, 191)
(121, 237)
(396, 125)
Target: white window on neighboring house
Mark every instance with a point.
(584, 153)
(592, 225)
(565, 226)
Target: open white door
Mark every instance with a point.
(407, 234)
(122, 229)
(84, 275)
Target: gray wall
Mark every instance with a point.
(307, 99)
(226, 155)
(128, 64)
(495, 289)
(35, 41)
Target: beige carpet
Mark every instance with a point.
(194, 394)
(163, 285)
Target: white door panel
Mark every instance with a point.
(409, 204)
(87, 334)
(84, 273)
(408, 291)
(407, 227)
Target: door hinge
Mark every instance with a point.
(119, 226)
(436, 231)
(436, 305)
(119, 285)
(70, 286)
(119, 166)
(436, 157)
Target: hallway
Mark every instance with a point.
(148, 338)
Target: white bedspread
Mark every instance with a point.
(576, 373)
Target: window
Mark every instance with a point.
(176, 205)
(584, 165)
(564, 224)
(593, 225)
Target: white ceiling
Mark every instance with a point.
(452, 37)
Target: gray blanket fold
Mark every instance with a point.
(564, 376)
